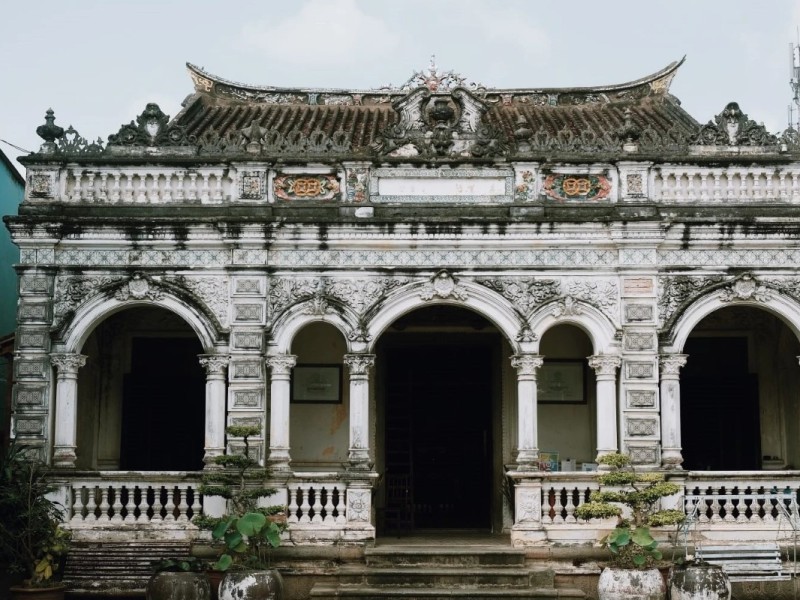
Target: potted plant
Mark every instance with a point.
(631, 544)
(33, 546)
(179, 579)
(247, 531)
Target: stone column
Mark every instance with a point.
(66, 416)
(527, 418)
(670, 365)
(280, 391)
(359, 366)
(215, 366)
(605, 368)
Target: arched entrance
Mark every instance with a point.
(141, 400)
(438, 380)
(740, 392)
(567, 396)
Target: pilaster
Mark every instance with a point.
(527, 418)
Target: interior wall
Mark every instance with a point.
(320, 433)
(772, 355)
(100, 381)
(569, 429)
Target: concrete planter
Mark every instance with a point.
(699, 581)
(38, 593)
(178, 586)
(264, 584)
(631, 584)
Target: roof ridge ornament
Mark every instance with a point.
(151, 128)
(436, 80)
(732, 127)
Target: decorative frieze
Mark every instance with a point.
(641, 398)
(644, 455)
(29, 395)
(245, 369)
(244, 313)
(33, 339)
(29, 425)
(33, 311)
(638, 313)
(637, 341)
(30, 368)
(577, 187)
(252, 185)
(247, 340)
(641, 427)
(30, 284)
(639, 370)
(306, 187)
(247, 398)
(248, 286)
(357, 183)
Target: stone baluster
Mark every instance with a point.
(179, 192)
(329, 505)
(292, 505)
(728, 185)
(215, 366)
(166, 196)
(102, 193)
(605, 367)
(104, 505)
(157, 504)
(317, 507)
(141, 196)
(281, 369)
(116, 507)
(183, 506)
(670, 365)
(359, 366)
(127, 194)
(305, 505)
(78, 505)
(717, 188)
(66, 421)
(527, 417)
(218, 194)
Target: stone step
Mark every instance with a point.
(444, 576)
(327, 592)
(464, 556)
(116, 568)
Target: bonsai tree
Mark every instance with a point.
(631, 544)
(32, 542)
(247, 531)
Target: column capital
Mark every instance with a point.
(359, 364)
(214, 363)
(605, 364)
(281, 364)
(527, 364)
(671, 364)
(67, 363)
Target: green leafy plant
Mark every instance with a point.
(631, 543)
(32, 542)
(247, 532)
(190, 564)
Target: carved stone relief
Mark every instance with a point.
(641, 398)
(526, 293)
(644, 455)
(641, 427)
(443, 285)
(677, 290)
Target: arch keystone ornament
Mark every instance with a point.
(746, 287)
(444, 286)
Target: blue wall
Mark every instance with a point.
(11, 191)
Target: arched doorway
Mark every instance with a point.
(439, 385)
(740, 393)
(141, 400)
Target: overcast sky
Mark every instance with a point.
(98, 62)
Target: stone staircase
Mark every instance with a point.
(443, 572)
(115, 568)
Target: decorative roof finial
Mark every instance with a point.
(436, 80)
(49, 132)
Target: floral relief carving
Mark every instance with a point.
(358, 505)
(528, 505)
(602, 294)
(72, 291)
(443, 285)
(675, 291)
(568, 307)
(745, 288)
(525, 293)
(211, 291)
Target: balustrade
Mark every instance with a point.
(750, 502)
(693, 184)
(318, 503)
(125, 502)
(562, 494)
(141, 186)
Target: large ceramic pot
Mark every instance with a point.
(631, 584)
(251, 585)
(169, 585)
(698, 580)
(38, 593)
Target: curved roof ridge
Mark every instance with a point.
(658, 83)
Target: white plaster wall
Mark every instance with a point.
(569, 429)
(319, 433)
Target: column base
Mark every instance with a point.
(528, 460)
(64, 457)
(526, 535)
(359, 460)
(279, 460)
(671, 458)
(209, 456)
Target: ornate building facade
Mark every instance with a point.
(440, 287)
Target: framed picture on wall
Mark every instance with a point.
(317, 384)
(561, 382)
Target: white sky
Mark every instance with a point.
(98, 62)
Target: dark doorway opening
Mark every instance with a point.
(438, 417)
(720, 429)
(163, 406)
